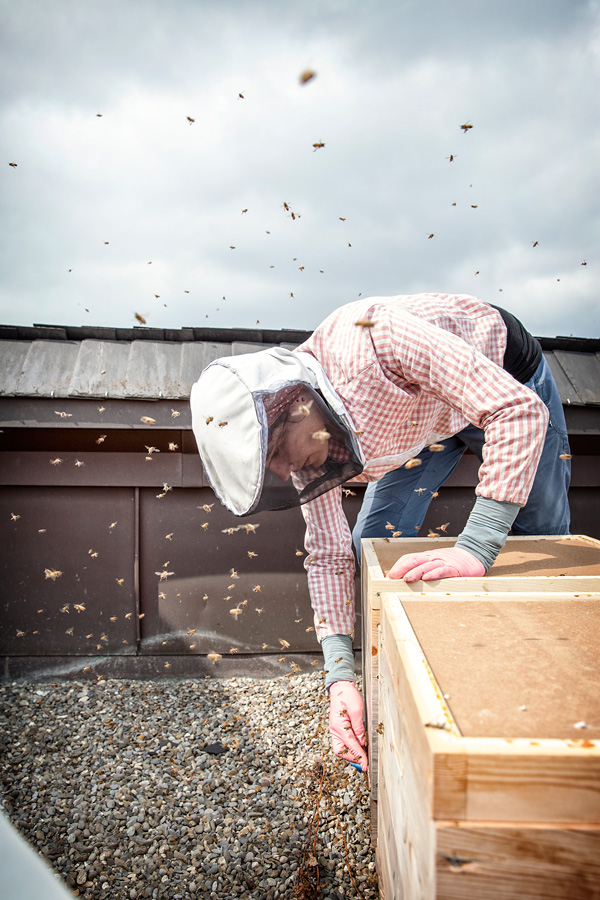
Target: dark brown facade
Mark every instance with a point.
(117, 560)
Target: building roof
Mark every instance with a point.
(82, 362)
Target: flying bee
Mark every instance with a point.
(452, 157)
(119, 581)
(79, 463)
(128, 615)
(147, 420)
(235, 612)
(299, 553)
(164, 574)
(222, 424)
(306, 76)
(412, 463)
(310, 628)
(285, 644)
(321, 435)
(234, 574)
(14, 517)
(190, 120)
(258, 610)
(52, 573)
(41, 531)
(281, 659)
(443, 527)
(101, 439)
(535, 243)
(389, 526)
(365, 323)
(420, 490)
(466, 127)
(432, 534)
(113, 618)
(317, 146)
(151, 450)
(173, 446)
(566, 456)
(233, 650)
(63, 415)
(435, 494)
(69, 631)
(169, 537)
(348, 493)
(395, 534)
(140, 318)
(56, 462)
(256, 588)
(436, 448)
(250, 528)
(430, 235)
(285, 206)
(209, 420)
(20, 633)
(214, 657)
(13, 165)
(79, 607)
(251, 554)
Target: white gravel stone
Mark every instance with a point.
(119, 795)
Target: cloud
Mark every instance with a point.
(394, 83)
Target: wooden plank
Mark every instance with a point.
(490, 861)
(404, 807)
(524, 781)
(370, 658)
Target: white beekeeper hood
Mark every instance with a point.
(236, 404)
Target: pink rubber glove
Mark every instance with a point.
(346, 723)
(452, 562)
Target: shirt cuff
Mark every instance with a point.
(485, 533)
(339, 658)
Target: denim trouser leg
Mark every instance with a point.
(547, 507)
(402, 496)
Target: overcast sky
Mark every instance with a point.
(117, 197)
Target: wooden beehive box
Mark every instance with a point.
(483, 710)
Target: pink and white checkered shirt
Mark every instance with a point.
(430, 365)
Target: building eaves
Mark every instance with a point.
(150, 364)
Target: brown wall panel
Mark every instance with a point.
(202, 590)
(56, 528)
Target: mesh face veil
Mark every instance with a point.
(267, 435)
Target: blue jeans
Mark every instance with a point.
(402, 496)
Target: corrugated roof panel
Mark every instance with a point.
(100, 369)
(568, 394)
(194, 358)
(47, 369)
(12, 364)
(238, 348)
(153, 369)
(583, 371)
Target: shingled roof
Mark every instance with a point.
(152, 363)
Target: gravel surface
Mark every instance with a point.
(114, 783)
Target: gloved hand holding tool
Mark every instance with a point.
(345, 703)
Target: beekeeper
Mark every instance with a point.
(390, 391)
